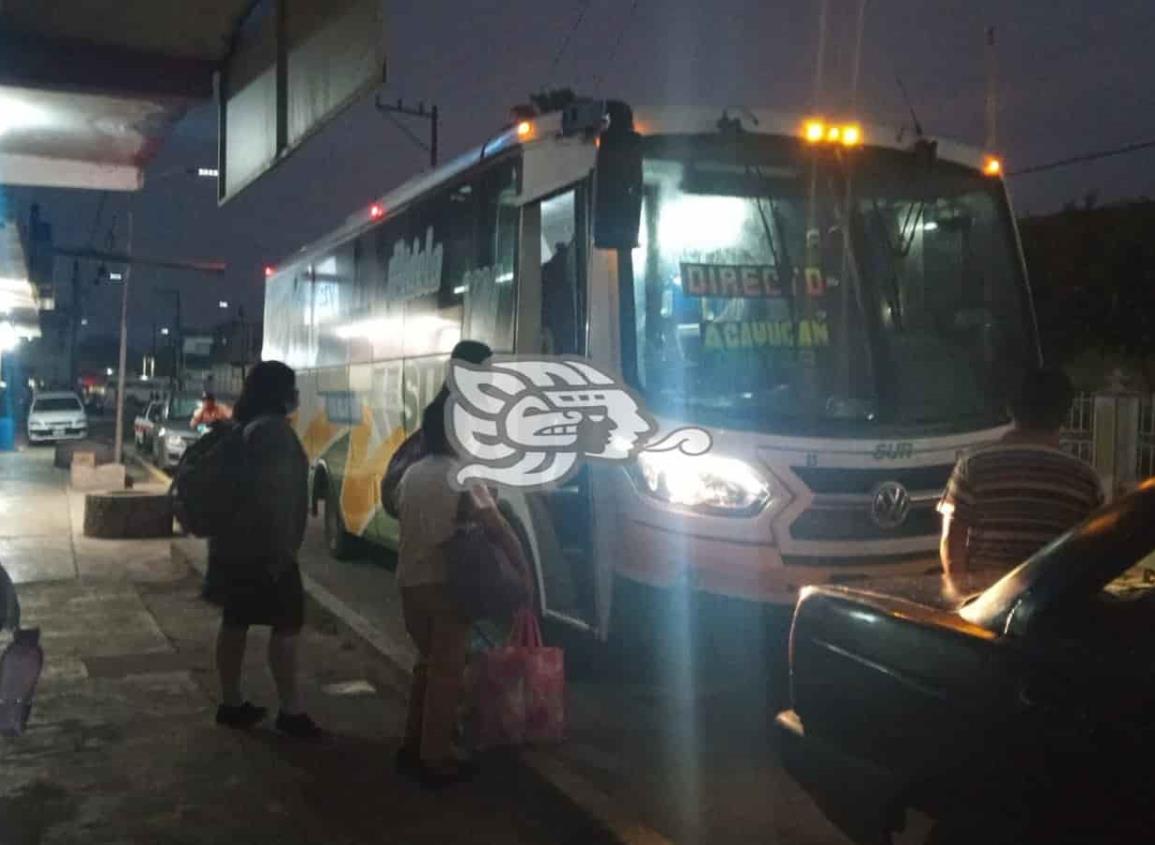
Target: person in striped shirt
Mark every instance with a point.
(1006, 501)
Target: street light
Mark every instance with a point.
(164, 331)
(224, 304)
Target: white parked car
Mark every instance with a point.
(56, 416)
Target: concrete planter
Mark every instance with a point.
(67, 448)
(127, 514)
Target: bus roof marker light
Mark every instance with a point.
(269, 270)
(814, 131)
(833, 133)
(851, 135)
(525, 130)
(993, 166)
(376, 211)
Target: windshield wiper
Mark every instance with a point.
(893, 295)
(781, 257)
(850, 224)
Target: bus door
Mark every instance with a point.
(561, 518)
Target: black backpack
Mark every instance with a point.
(206, 489)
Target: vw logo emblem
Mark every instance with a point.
(889, 505)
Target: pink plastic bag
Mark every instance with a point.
(520, 689)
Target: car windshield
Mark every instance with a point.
(183, 407)
(776, 291)
(57, 403)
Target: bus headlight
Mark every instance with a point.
(704, 483)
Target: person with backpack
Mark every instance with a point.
(412, 450)
(431, 511)
(257, 474)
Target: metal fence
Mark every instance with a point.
(1146, 445)
(1115, 433)
(1078, 435)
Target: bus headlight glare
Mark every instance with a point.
(705, 483)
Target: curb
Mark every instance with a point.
(592, 816)
(156, 474)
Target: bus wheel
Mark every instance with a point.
(341, 544)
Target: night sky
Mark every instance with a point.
(1074, 79)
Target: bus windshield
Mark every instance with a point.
(824, 292)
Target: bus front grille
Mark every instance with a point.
(855, 524)
(862, 482)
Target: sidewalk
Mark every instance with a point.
(653, 757)
(41, 522)
(122, 748)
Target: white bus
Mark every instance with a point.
(843, 311)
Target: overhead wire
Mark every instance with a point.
(409, 133)
(583, 7)
(1086, 157)
(860, 26)
(617, 45)
(820, 63)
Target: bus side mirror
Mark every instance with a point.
(618, 182)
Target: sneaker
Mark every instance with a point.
(298, 726)
(240, 716)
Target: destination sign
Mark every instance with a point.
(765, 334)
(731, 281)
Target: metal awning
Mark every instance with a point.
(89, 88)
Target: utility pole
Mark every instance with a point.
(177, 378)
(152, 374)
(118, 449)
(180, 346)
(75, 315)
(432, 115)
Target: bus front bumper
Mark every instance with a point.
(665, 557)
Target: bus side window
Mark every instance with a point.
(490, 291)
(562, 279)
(431, 289)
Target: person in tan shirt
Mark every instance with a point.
(210, 411)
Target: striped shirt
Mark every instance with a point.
(1014, 498)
